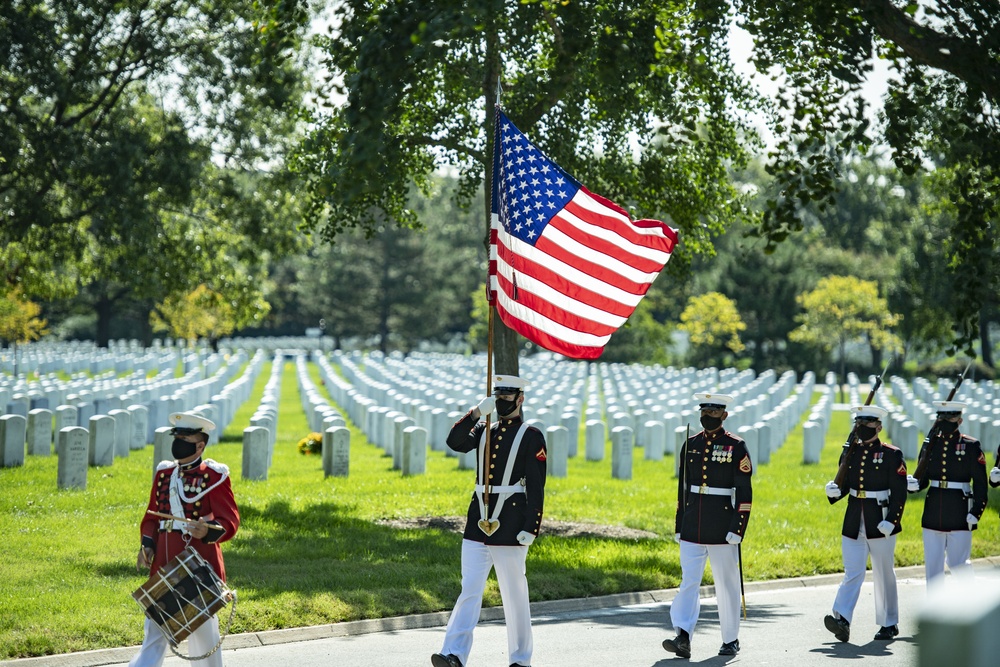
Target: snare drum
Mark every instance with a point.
(182, 595)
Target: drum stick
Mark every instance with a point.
(171, 516)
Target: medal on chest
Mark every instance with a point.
(722, 453)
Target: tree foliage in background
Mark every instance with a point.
(588, 81)
(19, 318)
(125, 130)
(940, 113)
(201, 313)
(843, 309)
(397, 287)
(713, 325)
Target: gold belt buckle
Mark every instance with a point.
(702, 490)
(943, 484)
(861, 494)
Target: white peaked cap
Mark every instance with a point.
(869, 411)
(191, 420)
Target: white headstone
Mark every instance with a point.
(399, 425)
(102, 440)
(65, 417)
(557, 444)
(812, 442)
(12, 438)
(594, 439)
(621, 452)
(655, 440)
(123, 431)
(414, 450)
(571, 421)
(255, 445)
(39, 433)
(336, 451)
(73, 448)
(140, 426)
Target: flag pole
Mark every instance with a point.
(489, 326)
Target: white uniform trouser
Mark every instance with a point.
(200, 642)
(726, 572)
(477, 560)
(957, 544)
(856, 554)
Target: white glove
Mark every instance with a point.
(486, 406)
(524, 537)
(912, 485)
(832, 490)
(733, 538)
(995, 475)
(886, 528)
(677, 538)
(971, 520)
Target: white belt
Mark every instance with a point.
(711, 490)
(511, 488)
(943, 484)
(880, 496)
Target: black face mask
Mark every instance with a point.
(865, 433)
(182, 449)
(947, 427)
(505, 407)
(711, 423)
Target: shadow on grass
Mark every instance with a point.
(321, 553)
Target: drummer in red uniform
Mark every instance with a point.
(197, 489)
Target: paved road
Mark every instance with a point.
(784, 626)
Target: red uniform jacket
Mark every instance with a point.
(208, 494)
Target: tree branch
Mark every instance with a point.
(965, 58)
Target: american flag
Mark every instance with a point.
(567, 267)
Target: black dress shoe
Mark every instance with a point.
(449, 660)
(730, 648)
(681, 645)
(886, 633)
(840, 628)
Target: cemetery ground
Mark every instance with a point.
(314, 550)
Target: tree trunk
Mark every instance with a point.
(984, 338)
(103, 308)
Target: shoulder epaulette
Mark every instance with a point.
(163, 465)
(220, 468)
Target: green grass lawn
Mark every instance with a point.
(310, 552)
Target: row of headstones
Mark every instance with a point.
(107, 437)
(397, 433)
(79, 362)
(84, 359)
(260, 437)
(100, 396)
(385, 426)
(979, 421)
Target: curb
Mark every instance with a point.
(111, 656)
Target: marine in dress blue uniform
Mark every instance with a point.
(714, 495)
(955, 479)
(876, 495)
(498, 533)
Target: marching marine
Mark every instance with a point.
(714, 494)
(955, 479)
(503, 520)
(876, 493)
